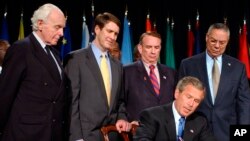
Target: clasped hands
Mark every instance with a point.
(125, 126)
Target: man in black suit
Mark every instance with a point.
(94, 102)
(32, 86)
(161, 123)
(140, 92)
(229, 103)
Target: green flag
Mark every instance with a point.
(169, 54)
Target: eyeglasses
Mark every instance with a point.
(213, 41)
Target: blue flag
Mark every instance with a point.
(197, 43)
(126, 44)
(66, 42)
(4, 29)
(85, 34)
(91, 29)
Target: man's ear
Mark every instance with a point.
(176, 94)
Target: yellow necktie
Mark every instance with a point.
(215, 77)
(105, 75)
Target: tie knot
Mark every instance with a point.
(48, 48)
(103, 55)
(151, 67)
(182, 119)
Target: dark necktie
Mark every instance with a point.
(154, 80)
(181, 129)
(54, 65)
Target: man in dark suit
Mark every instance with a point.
(4, 45)
(32, 87)
(96, 103)
(230, 102)
(139, 90)
(161, 123)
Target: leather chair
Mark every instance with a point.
(111, 128)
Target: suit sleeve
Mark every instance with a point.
(181, 73)
(146, 130)
(122, 113)
(72, 71)
(243, 99)
(10, 80)
(206, 132)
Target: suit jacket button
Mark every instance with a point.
(45, 84)
(54, 120)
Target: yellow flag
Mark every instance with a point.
(21, 29)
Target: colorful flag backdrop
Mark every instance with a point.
(126, 55)
(66, 42)
(4, 28)
(154, 27)
(148, 24)
(92, 19)
(21, 29)
(169, 54)
(243, 55)
(190, 41)
(197, 44)
(85, 34)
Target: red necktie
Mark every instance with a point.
(154, 80)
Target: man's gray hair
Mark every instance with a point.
(41, 14)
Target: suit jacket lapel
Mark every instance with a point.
(225, 72)
(115, 77)
(204, 78)
(170, 123)
(163, 79)
(93, 65)
(189, 130)
(43, 57)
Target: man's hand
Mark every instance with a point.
(135, 122)
(122, 125)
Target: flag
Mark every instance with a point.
(92, 19)
(154, 27)
(85, 34)
(66, 42)
(197, 43)
(21, 29)
(243, 55)
(170, 57)
(4, 28)
(131, 34)
(126, 48)
(190, 41)
(148, 24)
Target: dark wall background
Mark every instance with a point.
(181, 11)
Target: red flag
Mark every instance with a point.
(154, 27)
(190, 41)
(148, 24)
(243, 55)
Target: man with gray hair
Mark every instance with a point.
(32, 83)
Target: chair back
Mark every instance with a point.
(112, 128)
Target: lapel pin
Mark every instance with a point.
(192, 131)
(145, 78)
(229, 64)
(164, 77)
